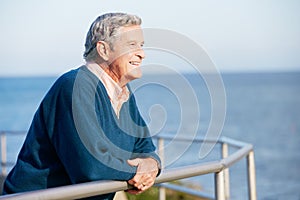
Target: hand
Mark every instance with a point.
(144, 178)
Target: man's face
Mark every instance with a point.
(127, 55)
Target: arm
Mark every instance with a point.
(78, 137)
(144, 158)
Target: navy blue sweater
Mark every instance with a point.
(76, 137)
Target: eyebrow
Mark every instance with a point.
(135, 41)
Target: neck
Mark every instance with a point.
(121, 81)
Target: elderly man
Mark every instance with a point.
(88, 126)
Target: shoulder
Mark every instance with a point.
(66, 79)
(63, 86)
(80, 77)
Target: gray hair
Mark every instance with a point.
(104, 28)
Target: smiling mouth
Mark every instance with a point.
(135, 63)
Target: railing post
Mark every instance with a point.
(251, 176)
(161, 153)
(3, 153)
(219, 186)
(226, 172)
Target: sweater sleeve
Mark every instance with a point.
(144, 147)
(77, 136)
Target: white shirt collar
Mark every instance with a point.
(117, 94)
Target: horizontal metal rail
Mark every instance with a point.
(167, 175)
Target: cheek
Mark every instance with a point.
(121, 61)
(122, 65)
(125, 58)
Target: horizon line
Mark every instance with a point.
(163, 73)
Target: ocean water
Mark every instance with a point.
(262, 109)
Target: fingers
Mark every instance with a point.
(138, 187)
(142, 181)
(134, 191)
(145, 176)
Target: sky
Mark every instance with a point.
(47, 37)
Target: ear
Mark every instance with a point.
(103, 50)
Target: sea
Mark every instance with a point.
(258, 108)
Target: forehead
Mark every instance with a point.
(131, 33)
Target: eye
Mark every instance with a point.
(135, 45)
(132, 44)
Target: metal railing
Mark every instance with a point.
(3, 148)
(220, 168)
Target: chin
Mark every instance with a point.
(135, 74)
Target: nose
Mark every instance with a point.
(140, 53)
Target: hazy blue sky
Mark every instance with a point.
(47, 37)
